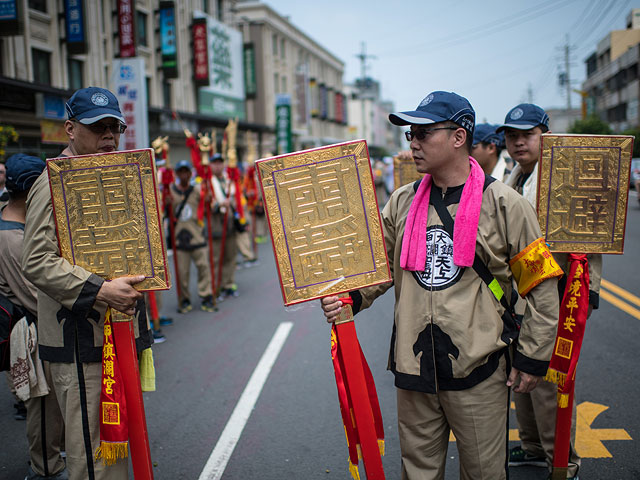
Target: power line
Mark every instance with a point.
(492, 27)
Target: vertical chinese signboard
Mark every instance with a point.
(168, 45)
(131, 90)
(224, 96)
(583, 191)
(200, 52)
(10, 18)
(250, 85)
(74, 26)
(284, 143)
(302, 96)
(126, 28)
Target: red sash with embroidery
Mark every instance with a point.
(114, 432)
(360, 411)
(573, 318)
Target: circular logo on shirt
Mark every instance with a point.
(440, 272)
(426, 101)
(516, 114)
(186, 213)
(99, 99)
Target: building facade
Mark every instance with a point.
(612, 85)
(292, 67)
(369, 118)
(55, 47)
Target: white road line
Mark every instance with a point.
(223, 450)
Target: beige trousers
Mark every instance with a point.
(477, 417)
(536, 414)
(45, 431)
(80, 409)
(244, 241)
(200, 257)
(229, 260)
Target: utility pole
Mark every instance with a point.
(363, 56)
(567, 69)
(530, 93)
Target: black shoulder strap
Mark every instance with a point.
(478, 265)
(185, 197)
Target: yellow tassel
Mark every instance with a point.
(109, 453)
(381, 446)
(359, 451)
(556, 377)
(353, 469)
(563, 400)
(147, 371)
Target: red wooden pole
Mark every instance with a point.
(124, 340)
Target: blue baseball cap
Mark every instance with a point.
(91, 104)
(183, 164)
(486, 133)
(439, 107)
(217, 158)
(525, 117)
(22, 171)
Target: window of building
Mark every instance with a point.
(220, 10)
(166, 94)
(75, 74)
(41, 66)
(284, 84)
(141, 29)
(282, 45)
(276, 83)
(205, 6)
(40, 5)
(274, 45)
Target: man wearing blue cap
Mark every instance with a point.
(454, 262)
(72, 302)
(487, 147)
(191, 243)
(45, 426)
(536, 411)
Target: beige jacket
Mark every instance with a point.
(448, 332)
(67, 306)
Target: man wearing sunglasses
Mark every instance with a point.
(72, 301)
(453, 327)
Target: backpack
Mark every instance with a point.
(10, 314)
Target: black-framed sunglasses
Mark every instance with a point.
(422, 133)
(99, 127)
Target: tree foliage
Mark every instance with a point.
(590, 125)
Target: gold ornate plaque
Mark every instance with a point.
(324, 221)
(107, 215)
(583, 188)
(404, 171)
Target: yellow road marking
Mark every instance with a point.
(621, 292)
(588, 440)
(616, 302)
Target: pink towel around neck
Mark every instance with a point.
(413, 255)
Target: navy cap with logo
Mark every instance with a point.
(525, 117)
(439, 107)
(183, 164)
(486, 133)
(92, 104)
(22, 171)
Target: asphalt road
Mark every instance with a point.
(295, 430)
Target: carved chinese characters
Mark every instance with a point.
(583, 189)
(324, 221)
(107, 215)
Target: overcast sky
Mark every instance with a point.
(490, 51)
